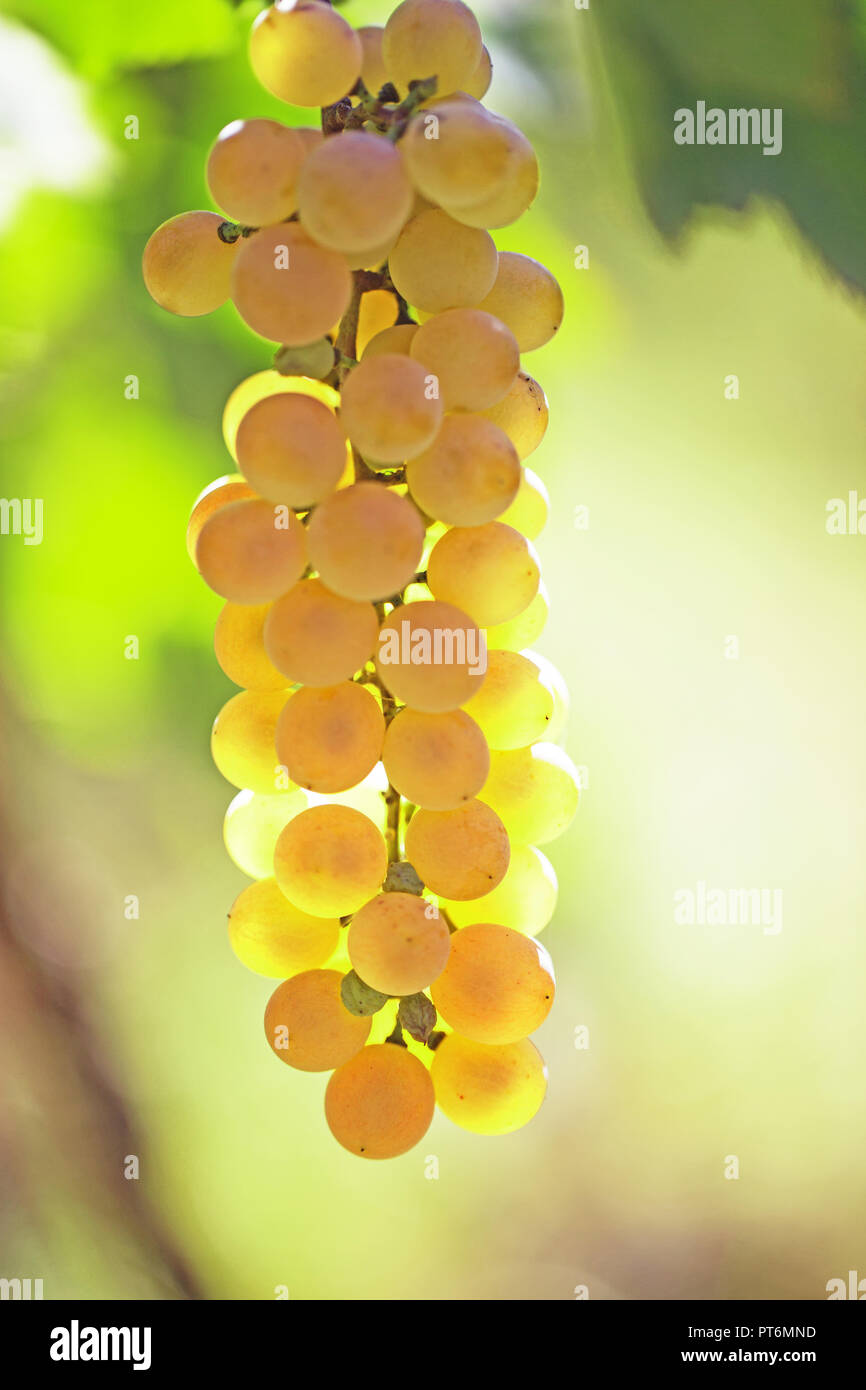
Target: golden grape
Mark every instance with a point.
(530, 510)
(522, 631)
(470, 474)
(243, 740)
(354, 192)
(525, 900)
(187, 268)
(474, 357)
(432, 38)
(438, 761)
(515, 705)
(528, 300)
(251, 552)
(488, 1089)
(305, 53)
(391, 340)
(252, 827)
(380, 1103)
(239, 644)
(497, 987)
(291, 449)
(286, 287)
(260, 385)
(308, 1026)
(373, 71)
(439, 264)
(269, 935)
(232, 488)
(398, 944)
(387, 409)
(330, 860)
(479, 83)
(492, 571)
(513, 196)
(329, 738)
(457, 152)
(523, 414)
(317, 638)
(459, 854)
(252, 171)
(431, 656)
(535, 791)
(366, 541)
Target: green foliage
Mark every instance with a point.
(805, 56)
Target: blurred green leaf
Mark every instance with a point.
(805, 56)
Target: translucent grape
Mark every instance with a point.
(329, 738)
(366, 541)
(391, 340)
(270, 936)
(380, 1103)
(488, 1089)
(372, 257)
(530, 510)
(555, 680)
(457, 152)
(252, 171)
(387, 409)
(523, 414)
(528, 300)
(492, 571)
(187, 269)
(330, 860)
(252, 827)
(474, 357)
(458, 854)
(317, 638)
(438, 761)
(523, 630)
(478, 84)
(513, 197)
(378, 315)
(260, 385)
(431, 656)
(354, 192)
(497, 987)
(525, 900)
(398, 944)
(432, 38)
(232, 488)
(291, 449)
(535, 791)
(515, 705)
(286, 287)
(308, 1026)
(305, 53)
(373, 71)
(438, 264)
(470, 474)
(366, 797)
(251, 552)
(243, 740)
(239, 644)
(310, 137)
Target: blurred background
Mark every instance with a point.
(711, 630)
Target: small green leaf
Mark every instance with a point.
(360, 999)
(402, 878)
(418, 1016)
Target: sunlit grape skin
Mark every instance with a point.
(398, 944)
(535, 791)
(380, 1103)
(366, 541)
(305, 53)
(525, 900)
(187, 268)
(354, 192)
(470, 474)
(423, 37)
(438, 264)
(515, 705)
(498, 985)
(252, 826)
(330, 860)
(436, 761)
(492, 571)
(488, 1089)
(240, 647)
(387, 409)
(473, 356)
(243, 740)
(291, 449)
(248, 552)
(252, 171)
(231, 488)
(271, 936)
(431, 656)
(308, 1027)
(315, 637)
(459, 854)
(330, 738)
(287, 288)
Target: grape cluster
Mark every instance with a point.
(394, 740)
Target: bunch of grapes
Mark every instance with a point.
(394, 740)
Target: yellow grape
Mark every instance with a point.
(387, 409)
(458, 854)
(354, 191)
(523, 630)
(291, 449)
(330, 860)
(251, 552)
(260, 385)
(497, 987)
(308, 1026)
(438, 761)
(431, 656)
(514, 196)
(317, 638)
(474, 357)
(329, 738)
(523, 414)
(310, 137)
(187, 268)
(380, 1103)
(457, 152)
(479, 83)
(305, 53)
(373, 71)
(391, 340)
(398, 944)
(252, 171)
(252, 827)
(438, 264)
(232, 488)
(491, 571)
(432, 38)
(530, 510)
(367, 797)
(286, 287)
(239, 644)
(470, 474)
(366, 541)
(243, 740)
(372, 257)
(488, 1089)
(528, 300)
(561, 698)
(525, 900)
(515, 705)
(269, 935)
(378, 315)
(535, 791)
